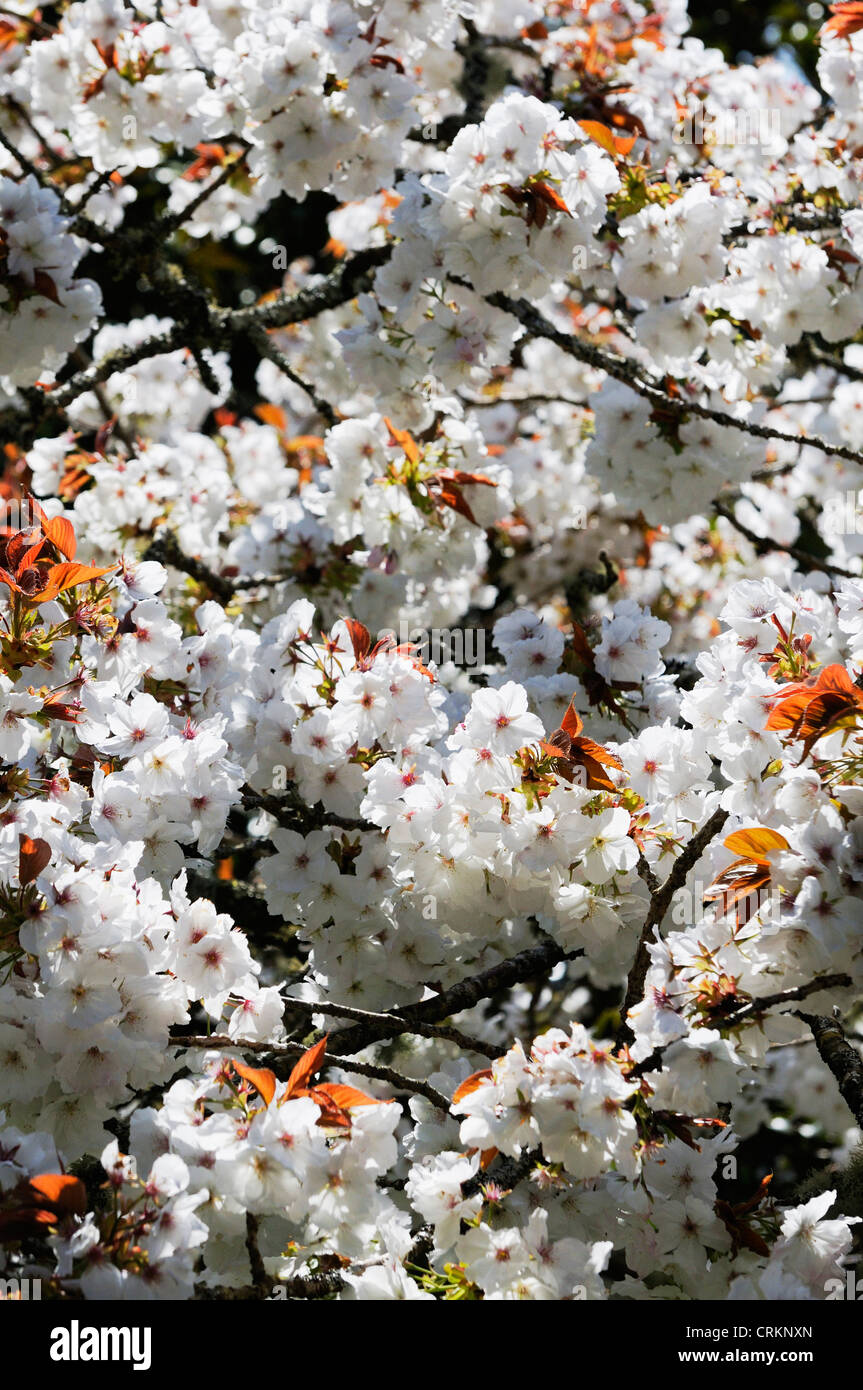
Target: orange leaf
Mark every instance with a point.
(472, 1083)
(33, 856)
(546, 194)
(59, 1191)
(404, 440)
(310, 1062)
(68, 576)
(332, 1115)
(791, 709)
(604, 136)
(361, 638)
(452, 496)
(310, 442)
(814, 707)
(572, 723)
(345, 1096)
(22, 550)
(553, 749)
(755, 844)
(601, 134)
(263, 1080)
(847, 19)
(593, 757)
(458, 475)
(272, 415)
(587, 748)
(60, 533)
(624, 143)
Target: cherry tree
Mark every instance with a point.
(342, 956)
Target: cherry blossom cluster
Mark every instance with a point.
(44, 309)
(334, 962)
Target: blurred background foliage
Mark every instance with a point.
(743, 30)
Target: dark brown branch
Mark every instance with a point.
(25, 163)
(527, 965)
(267, 348)
(538, 326)
(507, 1173)
(843, 1060)
(301, 1286)
(350, 278)
(166, 549)
(756, 1007)
(261, 1280)
(423, 1030)
(475, 73)
(220, 326)
(292, 813)
(660, 900)
(763, 544)
(171, 222)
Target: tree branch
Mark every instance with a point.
(763, 544)
(623, 370)
(166, 549)
(261, 1280)
(423, 1030)
(464, 995)
(756, 1007)
(343, 284)
(660, 900)
(261, 340)
(292, 813)
(843, 1060)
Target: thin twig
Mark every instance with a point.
(261, 1280)
(423, 1030)
(290, 808)
(171, 222)
(166, 549)
(267, 348)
